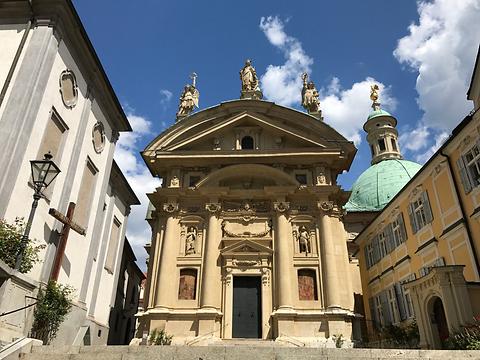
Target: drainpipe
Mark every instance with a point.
(17, 55)
(462, 209)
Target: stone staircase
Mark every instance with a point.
(234, 350)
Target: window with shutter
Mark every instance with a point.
(472, 164)
(382, 242)
(390, 239)
(400, 301)
(367, 260)
(413, 223)
(401, 224)
(387, 316)
(427, 208)
(466, 182)
(376, 250)
(373, 312)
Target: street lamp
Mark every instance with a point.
(43, 173)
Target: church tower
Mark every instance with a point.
(382, 134)
(388, 172)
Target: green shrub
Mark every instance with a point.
(10, 245)
(467, 338)
(160, 337)
(54, 303)
(339, 340)
(405, 337)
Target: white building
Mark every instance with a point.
(55, 96)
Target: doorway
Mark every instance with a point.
(439, 323)
(247, 307)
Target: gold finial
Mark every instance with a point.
(374, 96)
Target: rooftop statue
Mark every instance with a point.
(374, 96)
(250, 85)
(310, 99)
(188, 99)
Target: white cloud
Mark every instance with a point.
(442, 49)
(346, 110)
(140, 179)
(282, 83)
(415, 139)
(439, 140)
(165, 96)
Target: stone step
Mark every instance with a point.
(233, 351)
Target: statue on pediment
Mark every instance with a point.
(310, 100)
(188, 99)
(250, 84)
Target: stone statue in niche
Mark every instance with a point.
(303, 238)
(190, 240)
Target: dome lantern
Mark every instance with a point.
(382, 136)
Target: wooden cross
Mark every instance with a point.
(62, 241)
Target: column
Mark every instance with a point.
(284, 256)
(165, 286)
(210, 272)
(327, 250)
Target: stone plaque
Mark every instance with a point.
(98, 137)
(307, 287)
(188, 283)
(68, 88)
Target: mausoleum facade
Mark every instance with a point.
(248, 236)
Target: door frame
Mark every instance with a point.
(259, 267)
(258, 280)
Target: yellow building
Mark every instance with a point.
(419, 257)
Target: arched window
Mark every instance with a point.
(307, 284)
(187, 288)
(247, 143)
(394, 144)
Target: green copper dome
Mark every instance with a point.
(379, 184)
(378, 112)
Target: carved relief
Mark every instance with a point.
(174, 182)
(98, 137)
(213, 207)
(265, 276)
(170, 207)
(246, 234)
(190, 240)
(281, 206)
(321, 178)
(325, 205)
(68, 88)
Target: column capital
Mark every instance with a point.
(281, 206)
(330, 208)
(213, 207)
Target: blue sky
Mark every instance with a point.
(421, 54)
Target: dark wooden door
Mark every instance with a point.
(247, 302)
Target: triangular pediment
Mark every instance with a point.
(268, 127)
(245, 247)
